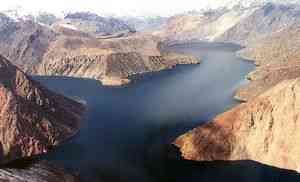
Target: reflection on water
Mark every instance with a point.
(126, 128)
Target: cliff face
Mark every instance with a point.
(264, 129)
(114, 68)
(187, 27)
(278, 59)
(110, 61)
(24, 42)
(262, 22)
(33, 119)
(36, 172)
(241, 25)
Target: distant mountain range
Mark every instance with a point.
(31, 41)
(228, 13)
(238, 24)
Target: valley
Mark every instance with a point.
(125, 92)
(151, 112)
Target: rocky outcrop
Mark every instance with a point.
(24, 42)
(110, 61)
(264, 129)
(36, 172)
(194, 26)
(205, 25)
(112, 69)
(32, 119)
(277, 57)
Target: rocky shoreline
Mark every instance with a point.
(33, 121)
(62, 51)
(251, 131)
(265, 125)
(114, 69)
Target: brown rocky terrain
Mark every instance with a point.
(112, 66)
(239, 24)
(110, 61)
(24, 42)
(32, 119)
(265, 129)
(62, 51)
(187, 27)
(263, 21)
(277, 58)
(36, 172)
(204, 26)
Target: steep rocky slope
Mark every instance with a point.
(112, 69)
(277, 57)
(36, 172)
(189, 26)
(265, 20)
(206, 25)
(33, 119)
(112, 61)
(24, 42)
(238, 24)
(264, 129)
(64, 51)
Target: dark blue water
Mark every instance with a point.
(126, 129)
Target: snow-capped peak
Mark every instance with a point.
(252, 3)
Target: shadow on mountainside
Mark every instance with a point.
(180, 170)
(173, 168)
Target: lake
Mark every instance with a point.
(127, 131)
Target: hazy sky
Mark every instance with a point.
(119, 7)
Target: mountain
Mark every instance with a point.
(94, 24)
(63, 51)
(269, 33)
(277, 58)
(239, 24)
(266, 124)
(24, 42)
(33, 119)
(111, 61)
(264, 21)
(204, 25)
(264, 129)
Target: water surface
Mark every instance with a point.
(126, 129)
